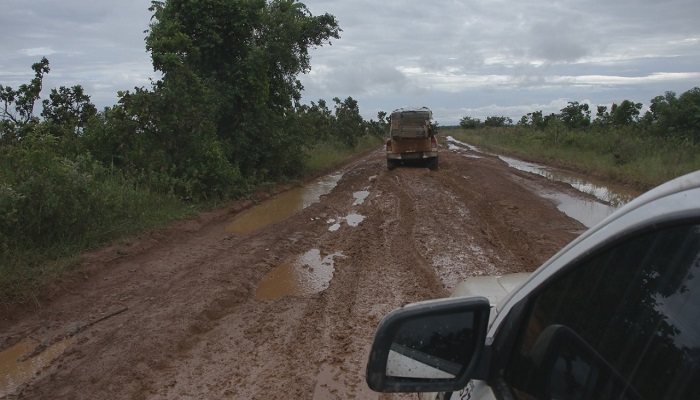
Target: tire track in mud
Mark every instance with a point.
(151, 332)
(418, 273)
(250, 352)
(318, 344)
(368, 283)
(194, 328)
(515, 223)
(487, 216)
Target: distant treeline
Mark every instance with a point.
(620, 144)
(225, 117)
(669, 115)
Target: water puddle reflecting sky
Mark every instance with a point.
(352, 220)
(360, 197)
(308, 274)
(588, 212)
(616, 196)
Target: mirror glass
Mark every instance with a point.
(433, 347)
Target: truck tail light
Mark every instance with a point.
(433, 141)
(388, 145)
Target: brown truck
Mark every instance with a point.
(412, 138)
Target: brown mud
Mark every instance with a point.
(176, 315)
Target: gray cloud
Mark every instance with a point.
(557, 42)
(99, 45)
(504, 57)
(513, 57)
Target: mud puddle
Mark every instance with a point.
(587, 212)
(360, 197)
(19, 364)
(283, 205)
(351, 219)
(310, 273)
(616, 196)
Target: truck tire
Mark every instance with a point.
(390, 164)
(433, 164)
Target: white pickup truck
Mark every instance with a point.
(613, 315)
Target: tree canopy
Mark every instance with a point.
(244, 56)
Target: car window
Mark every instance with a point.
(623, 324)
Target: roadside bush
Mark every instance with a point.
(9, 216)
(46, 198)
(52, 207)
(626, 149)
(326, 154)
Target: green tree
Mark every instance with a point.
(663, 112)
(318, 120)
(602, 116)
(68, 110)
(167, 136)
(689, 113)
(249, 52)
(534, 119)
(379, 128)
(17, 117)
(575, 115)
(469, 122)
(348, 121)
(672, 115)
(495, 121)
(626, 113)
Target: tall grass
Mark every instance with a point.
(53, 227)
(623, 155)
(325, 155)
(53, 209)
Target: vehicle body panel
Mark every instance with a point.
(401, 147)
(674, 197)
(494, 288)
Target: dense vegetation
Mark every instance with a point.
(224, 118)
(620, 144)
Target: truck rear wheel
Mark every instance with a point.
(433, 164)
(390, 164)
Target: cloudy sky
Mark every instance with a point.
(473, 58)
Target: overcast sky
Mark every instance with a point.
(473, 58)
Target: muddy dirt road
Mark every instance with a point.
(183, 313)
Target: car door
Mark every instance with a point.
(619, 322)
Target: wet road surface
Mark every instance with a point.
(287, 307)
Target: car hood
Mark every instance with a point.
(494, 287)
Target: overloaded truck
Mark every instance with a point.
(412, 138)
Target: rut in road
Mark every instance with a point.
(195, 329)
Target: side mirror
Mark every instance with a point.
(429, 347)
